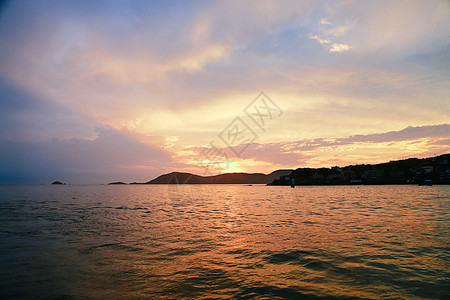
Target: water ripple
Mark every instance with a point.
(230, 242)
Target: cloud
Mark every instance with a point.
(185, 69)
(405, 28)
(42, 142)
(409, 133)
(341, 30)
(324, 21)
(327, 38)
(410, 141)
(273, 153)
(339, 48)
(319, 39)
(115, 68)
(435, 133)
(113, 155)
(419, 141)
(24, 116)
(161, 56)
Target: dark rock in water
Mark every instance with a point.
(57, 182)
(117, 182)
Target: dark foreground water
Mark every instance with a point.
(224, 241)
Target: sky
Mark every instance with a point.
(101, 91)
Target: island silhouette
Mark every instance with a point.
(226, 178)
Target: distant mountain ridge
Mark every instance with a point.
(407, 171)
(227, 178)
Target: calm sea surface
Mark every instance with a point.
(224, 241)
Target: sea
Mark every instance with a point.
(224, 242)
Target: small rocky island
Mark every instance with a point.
(58, 182)
(117, 183)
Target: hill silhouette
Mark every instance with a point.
(435, 170)
(227, 178)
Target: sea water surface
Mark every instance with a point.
(224, 241)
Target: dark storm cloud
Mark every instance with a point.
(108, 157)
(27, 117)
(40, 141)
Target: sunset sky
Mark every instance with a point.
(99, 91)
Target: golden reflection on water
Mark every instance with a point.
(315, 240)
(233, 241)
